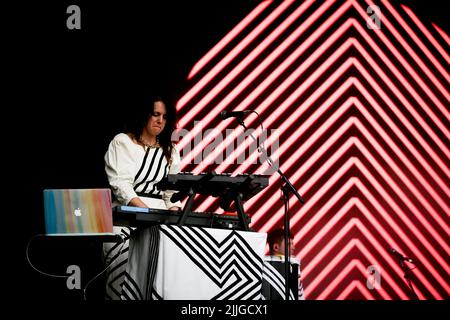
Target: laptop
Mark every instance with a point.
(78, 212)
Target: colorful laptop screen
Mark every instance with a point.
(78, 211)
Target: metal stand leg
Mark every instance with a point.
(240, 210)
(187, 208)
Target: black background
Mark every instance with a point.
(70, 90)
(73, 91)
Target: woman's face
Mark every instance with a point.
(157, 120)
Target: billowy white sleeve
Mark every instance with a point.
(120, 168)
(174, 168)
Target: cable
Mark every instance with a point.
(262, 129)
(122, 237)
(29, 261)
(261, 146)
(259, 118)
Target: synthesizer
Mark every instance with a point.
(144, 217)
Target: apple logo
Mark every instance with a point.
(77, 212)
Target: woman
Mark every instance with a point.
(135, 162)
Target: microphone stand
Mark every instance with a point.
(286, 187)
(408, 276)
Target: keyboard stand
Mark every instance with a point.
(226, 198)
(240, 211)
(187, 208)
(237, 201)
(191, 193)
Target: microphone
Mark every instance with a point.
(399, 255)
(233, 114)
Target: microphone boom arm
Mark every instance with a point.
(267, 158)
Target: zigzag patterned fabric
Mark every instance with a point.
(215, 264)
(274, 281)
(121, 275)
(188, 263)
(142, 264)
(117, 257)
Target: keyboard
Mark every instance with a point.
(145, 217)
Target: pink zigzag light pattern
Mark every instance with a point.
(363, 116)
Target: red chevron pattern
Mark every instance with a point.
(363, 120)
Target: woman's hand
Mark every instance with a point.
(137, 202)
(175, 208)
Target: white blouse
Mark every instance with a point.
(134, 171)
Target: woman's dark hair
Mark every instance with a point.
(143, 115)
